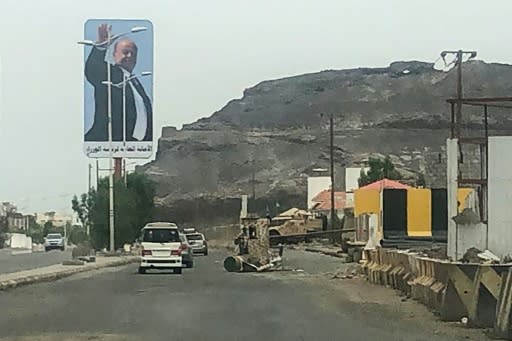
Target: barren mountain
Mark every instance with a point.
(274, 135)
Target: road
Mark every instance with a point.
(19, 262)
(207, 303)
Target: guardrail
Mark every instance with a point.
(480, 292)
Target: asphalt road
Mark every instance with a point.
(207, 303)
(20, 262)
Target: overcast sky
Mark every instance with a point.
(206, 53)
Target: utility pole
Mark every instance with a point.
(459, 55)
(111, 156)
(331, 133)
(97, 174)
(125, 171)
(90, 184)
(253, 180)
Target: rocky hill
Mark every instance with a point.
(271, 138)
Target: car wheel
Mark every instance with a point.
(206, 252)
(46, 249)
(177, 271)
(142, 270)
(62, 248)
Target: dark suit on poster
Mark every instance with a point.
(96, 73)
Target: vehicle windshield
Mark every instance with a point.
(53, 236)
(194, 237)
(161, 236)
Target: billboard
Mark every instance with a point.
(130, 55)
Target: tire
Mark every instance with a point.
(206, 252)
(46, 249)
(62, 248)
(177, 271)
(142, 270)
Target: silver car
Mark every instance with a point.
(54, 241)
(186, 253)
(198, 243)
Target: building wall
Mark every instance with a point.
(57, 219)
(425, 213)
(316, 184)
(419, 217)
(366, 201)
(462, 196)
(352, 175)
(500, 195)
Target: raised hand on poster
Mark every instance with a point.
(103, 32)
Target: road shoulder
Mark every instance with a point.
(58, 271)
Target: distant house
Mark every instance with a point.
(16, 221)
(385, 184)
(57, 219)
(322, 202)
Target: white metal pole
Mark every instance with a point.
(125, 172)
(110, 175)
(125, 79)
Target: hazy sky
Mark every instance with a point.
(206, 53)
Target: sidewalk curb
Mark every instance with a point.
(53, 276)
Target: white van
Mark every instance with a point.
(161, 247)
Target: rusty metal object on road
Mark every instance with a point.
(253, 248)
(233, 263)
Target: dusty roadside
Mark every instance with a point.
(339, 286)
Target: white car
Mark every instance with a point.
(161, 247)
(198, 243)
(54, 241)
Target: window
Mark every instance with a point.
(161, 236)
(54, 236)
(195, 236)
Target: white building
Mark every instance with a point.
(317, 184)
(57, 219)
(352, 175)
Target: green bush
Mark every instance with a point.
(77, 236)
(133, 204)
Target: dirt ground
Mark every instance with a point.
(342, 281)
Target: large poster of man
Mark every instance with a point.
(127, 45)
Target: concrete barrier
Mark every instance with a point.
(502, 324)
(486, 292)
(20, 241)
(480, 292)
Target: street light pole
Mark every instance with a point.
(125, 172)
(125, 79)
(110, 174)
(331, 137)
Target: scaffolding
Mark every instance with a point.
(456, 126)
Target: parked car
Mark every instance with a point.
(198, 243)
(189, 230)
(187, 254)
(54, 241)
(161, 247)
